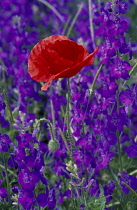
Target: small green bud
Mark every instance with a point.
(53, 145)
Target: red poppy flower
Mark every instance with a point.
(57, 57)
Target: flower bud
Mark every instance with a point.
(53, 145)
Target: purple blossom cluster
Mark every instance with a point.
(103, 127)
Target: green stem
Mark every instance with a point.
(118, 137)
(11, 172)
(117, 99)
(74, 19)
(68, 119)
(50, 126)
(91, 90)
(53, 9)
(66, 26)
(133, 191)
(91, 22)
(131, 72)
(95, 79)
(133, 172)
(119, 153)
(7, 178)
(113, 204)
(53, 117)
(68, 102)
(36, 191)
(65, 141)
(8, 106)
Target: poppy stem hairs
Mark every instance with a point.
(69, 136)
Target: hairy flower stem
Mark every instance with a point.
(53, 116)
(68, 119)
(50, 126)
(69, 137)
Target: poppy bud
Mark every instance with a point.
(53, 145)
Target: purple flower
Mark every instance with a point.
(105, 158)
(42, 199)
(47, 198)
(12, 162)
(94, 189)
(108, 88)
(26, 199)
(60, 168)
(5, 142)
(2, 104)
(132, 151)
(35, 160)
(25, 140)
(4, 123)
(123, 7)
(28, 180)
(108, 190)
(119, 69)
(127, 97)
(3, 192)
